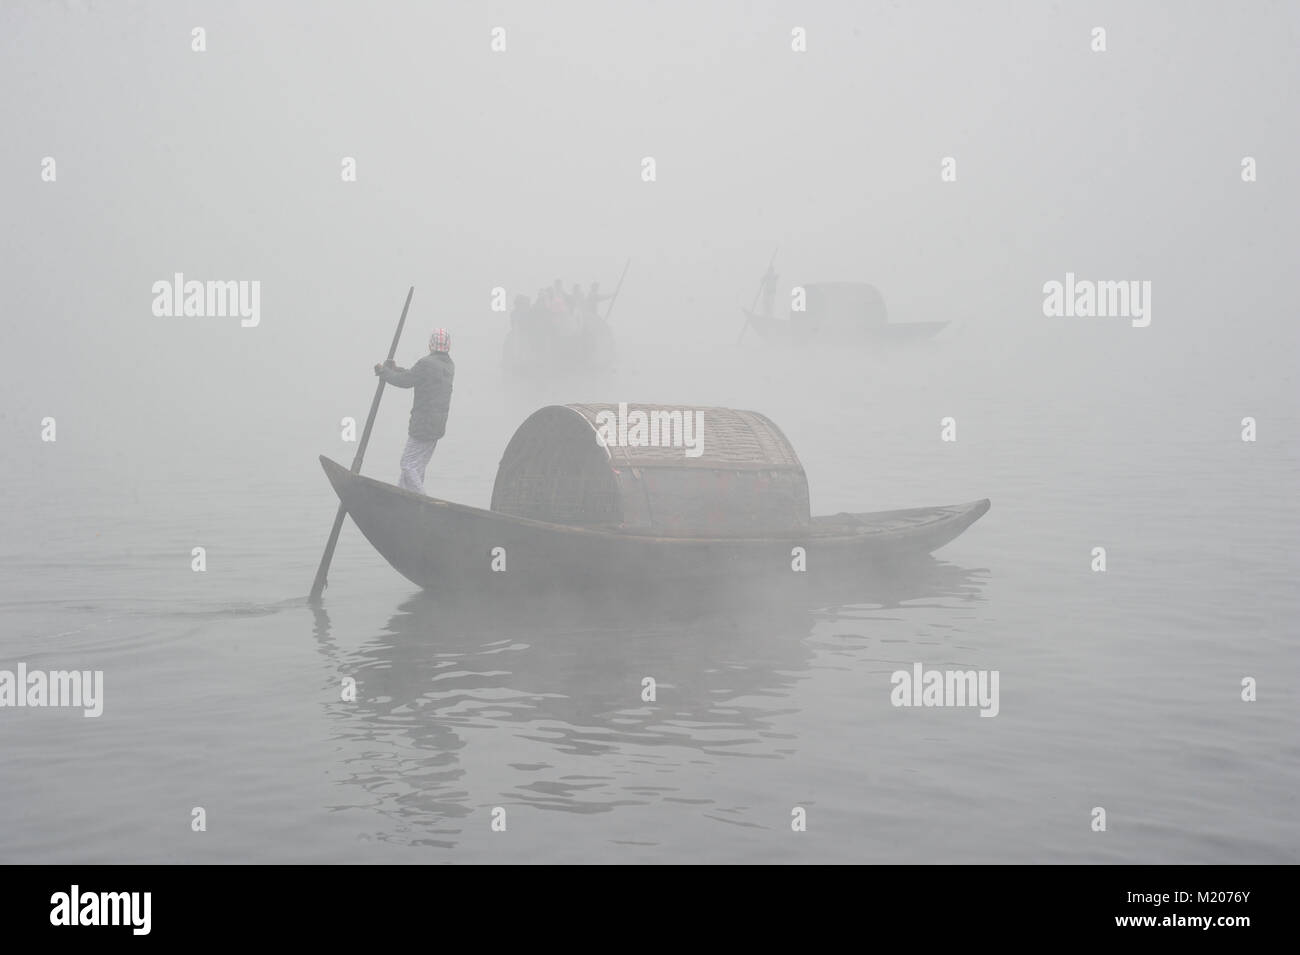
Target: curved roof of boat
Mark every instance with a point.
(728, 438)
(842, 303)
(673, 469)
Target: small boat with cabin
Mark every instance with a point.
(840, 313)
(645, 496)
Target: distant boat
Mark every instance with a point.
(539, 348)
(570, 512)
(840, 313)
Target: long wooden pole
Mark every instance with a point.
(318, 585)
(614, 298)
(744, 328)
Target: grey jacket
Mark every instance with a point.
(431, 378)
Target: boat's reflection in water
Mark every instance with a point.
(564, 680)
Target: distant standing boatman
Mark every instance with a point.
(431, 378)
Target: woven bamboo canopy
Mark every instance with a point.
(668, 470)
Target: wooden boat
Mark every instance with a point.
(539, 349)
(841, 313)
(572, 510)
(787, 332)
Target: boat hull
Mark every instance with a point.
(541, 353)
(786, 332)
(446, 546)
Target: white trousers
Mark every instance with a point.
(415, 458)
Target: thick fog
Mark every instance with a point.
(478, 169)
(960, 157)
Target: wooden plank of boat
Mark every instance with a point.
(443, 545)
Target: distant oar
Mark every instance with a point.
(744, 328)
(614, 298)
(318, 585)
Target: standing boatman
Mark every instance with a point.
(431, 377)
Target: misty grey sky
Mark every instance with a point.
(478, 169)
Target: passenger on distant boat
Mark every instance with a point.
(431, 377)
(519, 313)
(556, 312)
(541, 323)
(594, 298)
(559, 301)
